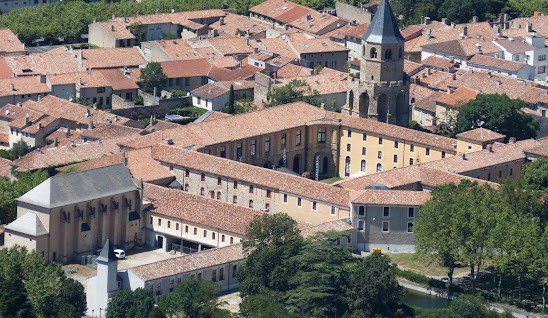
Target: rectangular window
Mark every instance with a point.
(348, 147)
(212, 194)
(285, 198)
(299, 202)
(411, 148)
(199, 276)
(151, 219)
(202, 177)
(364, 151)
(380, 140)
(284, 138)
(298, 138)
(187, 172)
(268, 193)
(205, 233)
(239, 151)
(411, 161)
(379, 155)
(100, 89)
(321, 135)
(395, 158)
(234, 199)
(443, 154)
(364, 137)
(386, 212)
(361, 211)
(333, 210)
(396, 144)
(428, 151)
(250, 204)
(541, 69)
(223, 238)
(314, 205)
(222, 152)
(186, 228)
(195, 231)
(267, 144)
(235, 184)
(361, 225)
(542, 57)
(250, 189)
(349, 133)
(385, 226)
(168, 224)
(409, 227)
(411, 213)
(159, 222)
(218, 195)
(253, 147)
(219, 181)
(221, 274)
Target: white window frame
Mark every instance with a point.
(387, 227)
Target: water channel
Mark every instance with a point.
(414, 298)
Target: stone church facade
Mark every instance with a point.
(382, 90)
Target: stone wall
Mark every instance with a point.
(351, 13)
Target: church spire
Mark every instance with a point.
(384, 28)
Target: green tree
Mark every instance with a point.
(535, 175)
(270, 242)
(262, 306)
(20, 149)
(194, 299)
(133, 304)
(10, 190)
(30, 288)
(153, 77)
(294, 91)
(374, 289)
(322, 273)
(231, 106)
(84, 101)
(499, 113)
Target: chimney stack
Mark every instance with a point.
(465, 30)
(529, 27)
(444, 21)
(475, 19)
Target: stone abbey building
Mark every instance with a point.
(382, 90)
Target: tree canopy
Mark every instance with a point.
(153, 77)
(285, 275)
(12, 189)
(138, 303)
(294, 91)
(498, 113)
(30, 288)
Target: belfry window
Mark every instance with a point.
(388, 54)
(373, 53)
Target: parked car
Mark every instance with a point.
(120, 254)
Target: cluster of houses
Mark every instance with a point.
(194, 189)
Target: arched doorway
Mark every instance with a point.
(325, 165)
(379, 167)
(382, 108)
(350, 102)
(347, 167)
(297, 164)
(364, 104)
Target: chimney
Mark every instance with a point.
(428, 33)
(465, 30)
(512, 140)
(113, 16)
(453, 25)
(90, 125)
(39, 125)
(39, 97)
(475, 19)
(529, 27)
(87, 112)
(67, 132)
(222, 21)
(80, 57)
(27, 121)
(463, 156)
(112, 28)
(308, 17)
(125, 157)
(12, 87)
(454, 76)
(490, 147)
(478, 47)
(489, 74)
(426, 20)
(499, 82)
(429, 71)
(536, 14)
(444, 21)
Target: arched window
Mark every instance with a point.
(373, 53)
(362, 166)
(325, 165)
(388, 54)
(401, 53)
(347, 167)
(379, 167)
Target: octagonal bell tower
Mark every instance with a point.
(382, 90)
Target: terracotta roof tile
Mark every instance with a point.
(326, 81)
(457, 98)
(80, 79)
(515, 45)
(255, 175)
(119, 79)
(291, 71)
(234, 22)
(316, 22)
(231, 46)
(186, 68)
(41, 63)
(110, 131)
(178, 49)
(112, 58)
(358, 31)
(199, 209)
(94, 163)
(210, 91)
(392, 197)
(500, 154)
(116, 29)
(496, 63)
(26, 85)
(9, 43)
(40, 124)
(480, 134)
(222, 74)
(278, 46)
(304, 43)
(439, 62)
(5, 70)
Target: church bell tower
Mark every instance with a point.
(382, 90)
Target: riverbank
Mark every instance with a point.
(517, 313)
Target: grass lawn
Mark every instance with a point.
(331, 180)
(410, 261)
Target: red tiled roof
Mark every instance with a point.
(9, 42)
(459, 97)
(222, 74)
(119, 80)
(186, 68)
(392, 197)
(480, 134)
(112, 58)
